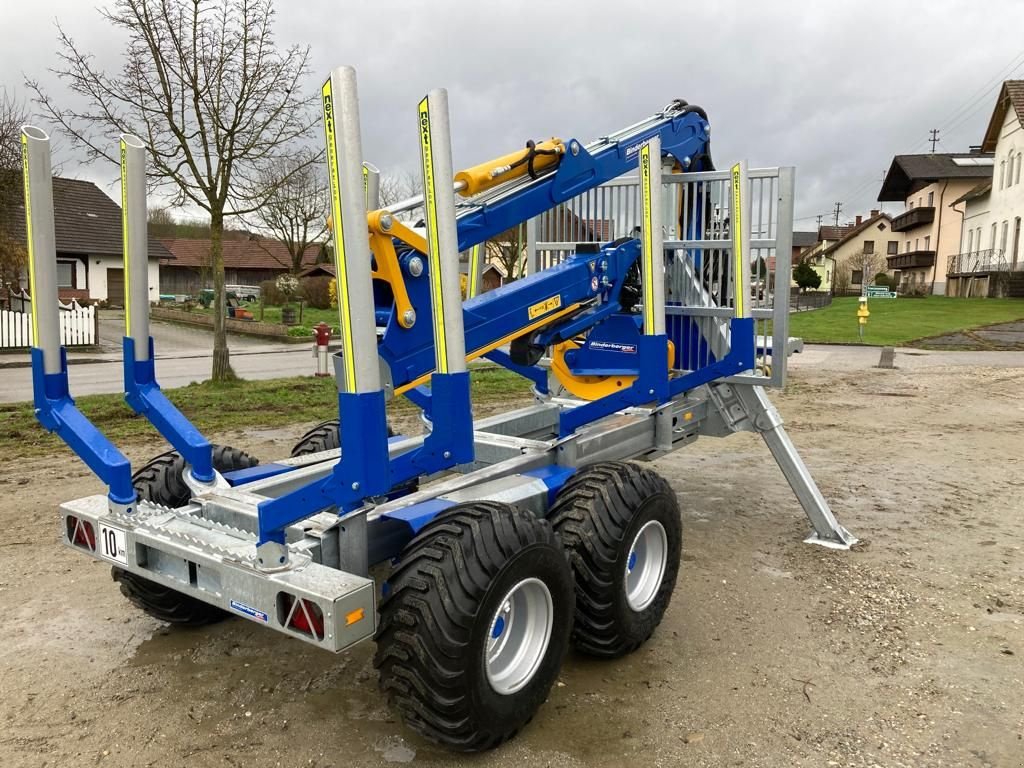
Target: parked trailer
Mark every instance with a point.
(496, 541)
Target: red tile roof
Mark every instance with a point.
(250, 253)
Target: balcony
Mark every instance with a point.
(911, 260)
(978, 263)
(915, 217)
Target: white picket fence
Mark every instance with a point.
(78, 326)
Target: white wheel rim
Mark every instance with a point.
(518, 636)
(645, 565)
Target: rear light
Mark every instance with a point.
(80, 533)
(300, 615)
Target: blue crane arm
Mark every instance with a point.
(685, 136)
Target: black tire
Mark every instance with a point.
(165, 604)
(162, 482)
(325, 436)
(439, 615)
(597, 515)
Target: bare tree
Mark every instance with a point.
(296, 208)
(396, 187)
(867, 263)
(509, 249)
(205, 85)
(12, 253)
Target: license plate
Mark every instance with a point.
(113, 544)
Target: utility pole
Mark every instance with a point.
(934, 138)
(820, 217)
(839, 207)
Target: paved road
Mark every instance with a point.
(183, 356)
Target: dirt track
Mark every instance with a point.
(906, 652)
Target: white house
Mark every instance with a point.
(990, 242)
(87, 225)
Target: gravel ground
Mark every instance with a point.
(908, 651)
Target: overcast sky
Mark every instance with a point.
(834, 88)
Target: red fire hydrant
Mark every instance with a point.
(321, 338)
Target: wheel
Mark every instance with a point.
(477, 621)
(325, 436)
(621, 529)
(162, 482)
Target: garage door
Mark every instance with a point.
(115, 287)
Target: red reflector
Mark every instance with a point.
(308, 618)
(81, 533)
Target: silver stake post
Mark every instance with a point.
(358, 369)
(42, 245)
(653, 242)
(135, 244)
(442, 234)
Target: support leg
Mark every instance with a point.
(765, 419)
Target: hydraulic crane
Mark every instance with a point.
(495, 542)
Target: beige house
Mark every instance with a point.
(991, 256)
(928, 231)
(814, 255)
(860, 253)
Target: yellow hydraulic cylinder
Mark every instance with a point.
(508, 167)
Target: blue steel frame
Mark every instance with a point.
(143, 394)
(57, 412)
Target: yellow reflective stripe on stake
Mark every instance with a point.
(28, 232)
(433, 243)
(344, 304)
(737, 241)
(474, 270)
(648, 235)
(366, 186)
(124, 241)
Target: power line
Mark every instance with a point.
(958, 116)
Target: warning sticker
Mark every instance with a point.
(543, 307)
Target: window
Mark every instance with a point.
(1002, 240)
(992, 237)
(917, 243)
(931, 199)
(857, 277)
(65, 274)
(1009, 171)
(910, 205)
(892, 248)
(977, 242)
(869, 246)
(908, 246)
(927, 242)
(1002, 174)
(1016, 177)
(919, 201)
(970, 240)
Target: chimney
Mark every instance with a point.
(874, 212)
(858, 221)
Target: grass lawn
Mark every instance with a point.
(213, 407)
(896, 322)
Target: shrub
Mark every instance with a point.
(883, 278)
(316, 291)
(270, 295)
(302, 331)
